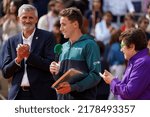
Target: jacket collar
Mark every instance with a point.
(139, 54)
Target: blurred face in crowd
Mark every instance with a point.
(13, 8)
(59, 5)
(144, 23)
(52, 8)
(108, 18)
(28, 20)
(129, 22)
(127, 51)
(67, 27)
(97, 4)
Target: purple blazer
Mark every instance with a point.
(135, 84)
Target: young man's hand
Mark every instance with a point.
(63, 88)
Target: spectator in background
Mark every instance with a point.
(104, 29)
(27, 58)
(46, 22)
(82, 6)
(148, 17)
(94, 16)
(129, 22)
(11, 26)
(115, 56)
(61, 4)
(135, 84)
(115, 59)
(143, 23)
(4, 8)
(118, 8)
(58, 35)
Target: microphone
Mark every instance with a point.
(57, 51)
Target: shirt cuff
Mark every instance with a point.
(17, 63)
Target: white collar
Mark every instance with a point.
(30, 37)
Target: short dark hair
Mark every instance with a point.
(73, 14)
(57, 23)
(115, 37)
(108, 12)
(130, 15)
(141, 19)
(134, 36)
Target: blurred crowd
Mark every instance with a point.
(103, 19)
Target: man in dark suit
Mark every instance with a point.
(27, 58)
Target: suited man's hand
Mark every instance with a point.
(63, 88)
(20, 56)
(26, 48)
(22, 52)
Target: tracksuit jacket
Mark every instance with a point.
(83, 55)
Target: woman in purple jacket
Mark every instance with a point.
(135, 84)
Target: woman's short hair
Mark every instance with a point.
(134, 36)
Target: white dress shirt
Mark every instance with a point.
(25, 80)
(46, 22)
(102, 33)
(118, 7)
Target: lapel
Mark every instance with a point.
(19, 40)
(35, 40)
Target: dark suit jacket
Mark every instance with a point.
(38, 63)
